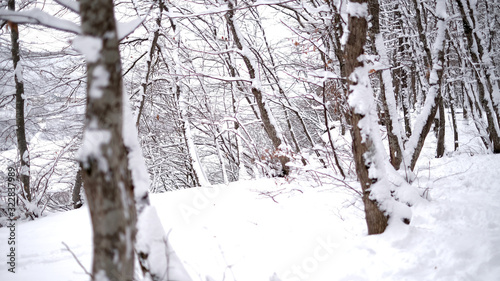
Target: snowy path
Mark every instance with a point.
(455, 236)
(240, 233)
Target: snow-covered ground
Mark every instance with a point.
(298, 229)
(238, 232)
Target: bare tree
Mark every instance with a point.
(270, 126)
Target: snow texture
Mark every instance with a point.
(93, 139)
(127, 28)
(151, 239)
(239, 233)
(70, 4)
(362, 102)
(18, 72)
(359, 10)
(136, 163)
(89, 46)
(100, 81)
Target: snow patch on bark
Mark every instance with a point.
(18, 72)
(359, 10)
(165, 264)
(92, 141)
(387, 179)
(136, 163)
(88, 46)
(100, 80)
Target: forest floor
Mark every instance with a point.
(301, 229)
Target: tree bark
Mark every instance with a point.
(441, 130)
(386, 88)
(426, 117)
(103, 156)
(453, 117)
(363, 143)
(77, 199)
(22, 145)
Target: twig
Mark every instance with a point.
(77, 260)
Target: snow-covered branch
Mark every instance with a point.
(37, 16)
(73, 6)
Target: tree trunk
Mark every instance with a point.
(77, 199)
(484, 87)
(294, 139)
(269, 126)
(424, 120)
(149, 69)
(454, 124)
(441, 130)
(330, 140)
(22, 145)
(364, 149)
(394, 129)
(402, 89)
(103, 156)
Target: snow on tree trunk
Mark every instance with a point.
(394, 129)
(425, 118)
(367, 145)
(103, 155)
(365, 135)
(487, 91)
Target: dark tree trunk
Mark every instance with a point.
(426, 118)
(103, 159)
(77, 199)
(386, 88)
(330, 140)
(294, 139)
(454, 124)
(441, 130)
(362, 145)
(395, 152)
(22, 145)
